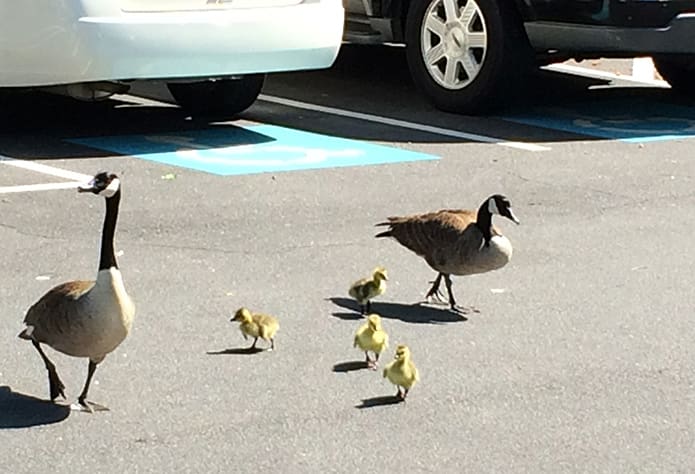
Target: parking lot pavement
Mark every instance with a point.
(579, 360)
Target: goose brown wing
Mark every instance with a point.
(426, 233)
(51, 313)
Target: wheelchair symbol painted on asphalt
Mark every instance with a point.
(241, 155)
(625, 119)
(250, 149)
(628, 125)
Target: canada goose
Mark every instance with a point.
(85, 318)
(257, 325)
(367, 288)
(402, 371)
(371, 337)
(455, 242)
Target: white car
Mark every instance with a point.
(213, 54)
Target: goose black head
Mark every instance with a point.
(498, 204)
(103, 184)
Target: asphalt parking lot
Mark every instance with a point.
(580, 358)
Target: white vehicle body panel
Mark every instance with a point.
(45, 43)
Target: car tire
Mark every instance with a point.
(224, 98)
(459, 76)
(678, 71)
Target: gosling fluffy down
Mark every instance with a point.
(402, 371)
(372, 337)
(367, 288)
(257, 325)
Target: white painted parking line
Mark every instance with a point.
(402, 124)
(76, 178)
(588, 72)
(25, 188)
(45, 169)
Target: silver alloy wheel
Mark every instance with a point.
(453, 41)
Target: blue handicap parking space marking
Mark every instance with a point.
(251, 149)
(630, 120)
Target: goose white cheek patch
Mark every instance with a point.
(492, 207)
(111, 189)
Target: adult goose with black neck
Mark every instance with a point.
(85, 318)
(455, 241)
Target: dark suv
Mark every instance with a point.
(467, 55)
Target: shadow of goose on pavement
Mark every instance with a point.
(18, 410)
(409, 313)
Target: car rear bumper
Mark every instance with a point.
(193, 44)
(677, 37)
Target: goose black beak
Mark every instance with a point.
(86, 187)
(513, 218)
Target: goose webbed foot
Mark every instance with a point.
(452, 301)
(83, 403)
(463, 310)
(87, 406)
(434, 292)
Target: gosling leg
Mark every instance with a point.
(56, 386)
(375, 364)
(370, 362)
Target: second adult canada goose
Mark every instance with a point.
(85, 318)
(455, 242)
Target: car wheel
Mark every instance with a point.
(466, 55)
(217, 98)
(679, 71)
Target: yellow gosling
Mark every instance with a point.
(367, 288)
(257, 325)
(372, 337)
(402, 371)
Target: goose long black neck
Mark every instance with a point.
(484, 221)
(108, 257)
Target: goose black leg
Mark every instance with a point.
(253, 346)
(452, 301)
(459, 309)
(56, 386)
(434, 290)
(82, 399)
